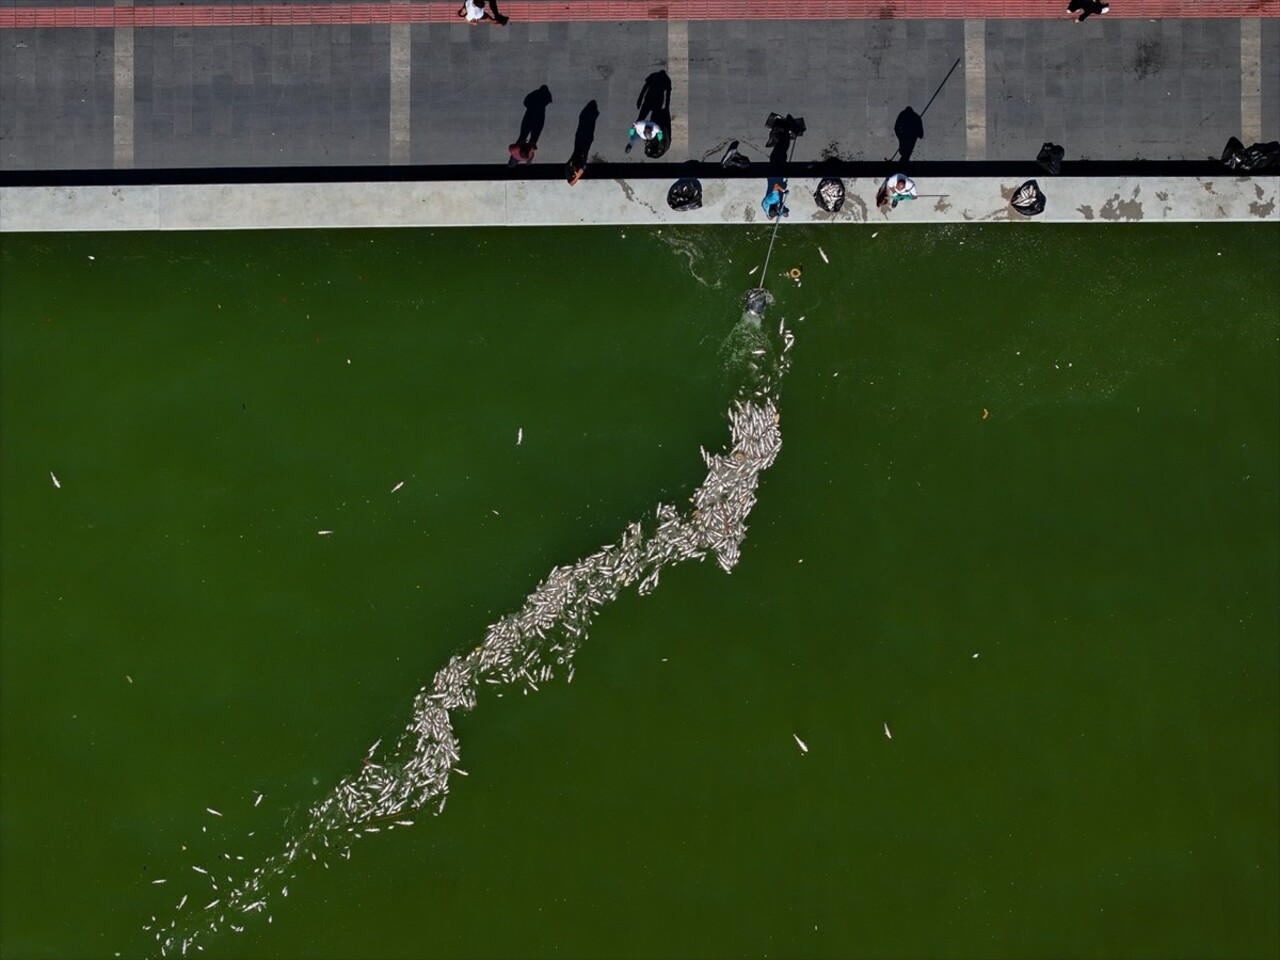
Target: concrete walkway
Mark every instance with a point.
(344, 92)
(619, 202)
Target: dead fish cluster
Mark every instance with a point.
(523, 650)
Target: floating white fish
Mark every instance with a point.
(324, 533)
(520, 436)
(876, 234)
(404, 823)
(159, 881)
(181, 903)
(397, 486)
(823, 254)
(975, 656)
(57, 484)
(213, 811)
(753, 269)
(887, 732)
(258, 800)
(804, 747)
(200, 870)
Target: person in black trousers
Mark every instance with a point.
(1087, 8)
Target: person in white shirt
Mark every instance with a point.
(897, 187)
(475, 11)
(642, 130)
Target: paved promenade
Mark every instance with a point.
(105, 86)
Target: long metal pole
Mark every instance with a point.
(933, 98)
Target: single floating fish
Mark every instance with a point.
(57, 484)
(397, 486)
(887, 732)
(158, 881)
(520, 436)
(753, 269)
(823, 254)
(324, 533)
(213, 811)
(804, 747)
(256, 802)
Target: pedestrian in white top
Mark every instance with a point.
(475, 11)
(642, 130)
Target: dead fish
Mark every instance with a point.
(257, 801)
(804, 747)
(158, 881)
(213, 811)
(397, 486)
(823, 254)
(753, 269)
(324, 533)
(200, 870)
(887, 732)
(55, 480)
(520, 436)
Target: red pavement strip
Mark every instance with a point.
(317, 14)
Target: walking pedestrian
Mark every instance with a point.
(1088, 8)
(475, 11)
(642, 130)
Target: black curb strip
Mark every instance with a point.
(922, 170)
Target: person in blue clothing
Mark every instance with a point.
(775, 198)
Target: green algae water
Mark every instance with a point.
(1013, 581)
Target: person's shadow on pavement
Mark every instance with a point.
(582, 140)
(654, 95)
(908, 128)
(535, 115)
(585, 135)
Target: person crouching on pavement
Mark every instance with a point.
(897, 187)
(642, 130)
(775, 199)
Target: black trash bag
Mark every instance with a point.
(1233, 153)
(1261, 156)
(733, 160)
(830, 194)
(655, 148)
(1029, 199)
(783, 129)
(1050, 157)
(685, 194)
